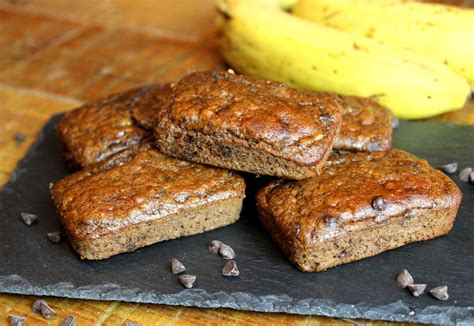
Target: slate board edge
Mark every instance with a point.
(398, 311)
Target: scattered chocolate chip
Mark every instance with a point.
(214, 246)
(395, 122)
(16, 320)
(69, 321)
(440, 292)
(187, 280)
(177, 266)
(132, 323)
(20, 137)
(42, 307)
(230, 269)
(417, 289)
(464, 174)
(449, 168)
(404, 279)
(379, 203)
(55, 237)
(226, 252)
(28, 218)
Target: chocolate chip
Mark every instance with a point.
(187, 280)
(132, 323)
(464, 174)
(440, 292)
(16, 320)
(28, 218)
(449, 168)
(20, 137)
(379, 203)
(177, 266)
(230, 269)
(416, 289)
(226, 252)
(55, 237)
(214, 246)
(404, 279)
(42, 307)
(69, 321)
(395, 122)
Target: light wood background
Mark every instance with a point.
(55, 54)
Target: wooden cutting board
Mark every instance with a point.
(55, 54)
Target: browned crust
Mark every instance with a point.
(415, 226)
(317, 228)
(194, 221)
(101, 128)
(366, 126)
(263, 126)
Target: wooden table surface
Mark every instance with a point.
(55, 54)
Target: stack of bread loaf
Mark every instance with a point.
(163, 161)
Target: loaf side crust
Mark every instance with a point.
(194, 221)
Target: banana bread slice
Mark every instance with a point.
(366, 126)
(248, 124)
(104, 127)
(361, 205)
(139, 197)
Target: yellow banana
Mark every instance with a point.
(257, 37)
(444, 33)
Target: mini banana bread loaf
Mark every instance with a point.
(102, 128)
(247, 124)
(361, 205)
(366, 126)
(139, 197)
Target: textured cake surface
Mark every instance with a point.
(139, 185)
(366, 126)
(104, 127)
(241, 111)
(339, 204)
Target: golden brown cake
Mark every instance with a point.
(139, 197)
(248, 124)
(361, 205)
(104, 127)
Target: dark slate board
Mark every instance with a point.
(30, 264)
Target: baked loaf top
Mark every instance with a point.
(344, 197)
(134, 186)
(101, 128)
(146, 110)
(366, 126)
(262, 115)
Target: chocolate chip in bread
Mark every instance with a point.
(139, 197)
(248, 124)
(331, 219)
(104, 127)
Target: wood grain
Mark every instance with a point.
(55, 54)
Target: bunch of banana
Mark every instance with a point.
(444, 33)
(257, 37)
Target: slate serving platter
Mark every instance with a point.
(31, 264)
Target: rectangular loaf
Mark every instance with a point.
(360, 206)
(248, 124)
(101, 128)
(139, 197)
